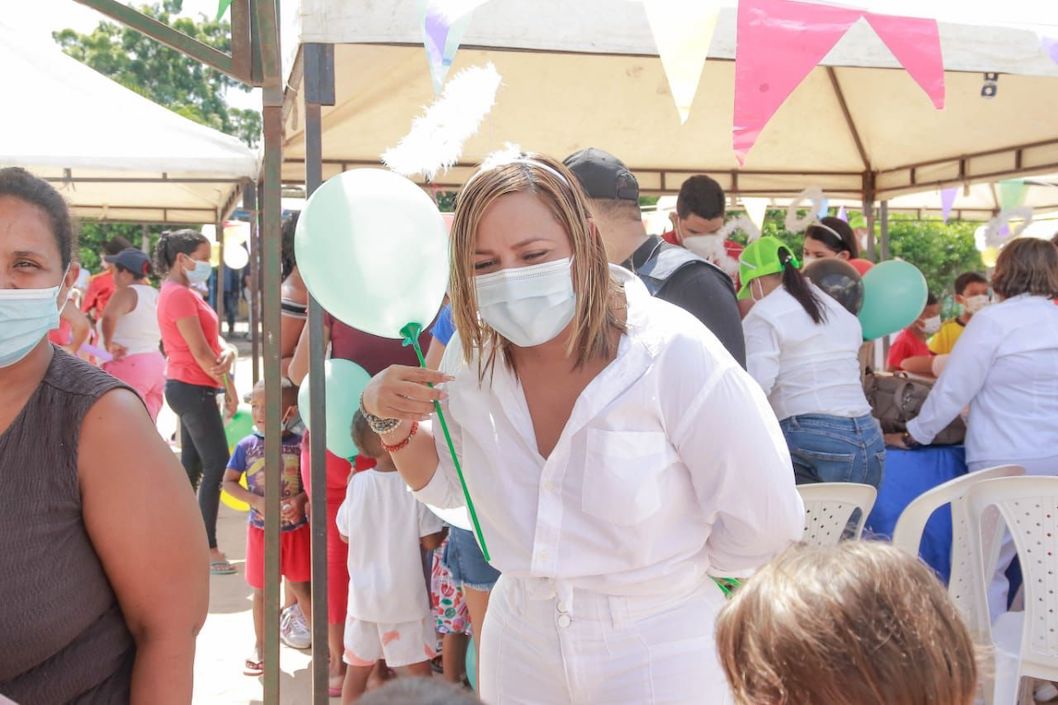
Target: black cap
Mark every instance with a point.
(135, 261)
(602, 175)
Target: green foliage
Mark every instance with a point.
(163, 75)
(94, 235)
(941, 251)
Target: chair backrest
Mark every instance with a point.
(830, 505)
(1029, 506)
(965, 574)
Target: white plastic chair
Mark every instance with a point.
(965, 573)
(830, 505)
(1026, 643)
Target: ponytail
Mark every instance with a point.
(174, 243)
(798, 286)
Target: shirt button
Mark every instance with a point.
(562, 607)
(564, 621)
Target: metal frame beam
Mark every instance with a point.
(317, 89)
(237, 64)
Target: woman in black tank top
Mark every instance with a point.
(105, 578)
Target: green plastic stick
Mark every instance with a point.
(411, 337)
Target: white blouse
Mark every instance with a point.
(671, 467)
(805, 367)
(1005, 367)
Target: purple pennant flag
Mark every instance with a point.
(842, 215)
(1050, 46)
(947, 200)
(435, 27)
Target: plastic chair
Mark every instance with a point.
(964, 566)
(1026, 643)
(830, 505)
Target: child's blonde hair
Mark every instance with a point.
(861, 623)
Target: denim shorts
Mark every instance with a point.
(464, 560)
(835, 449)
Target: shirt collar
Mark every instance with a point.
(643, 253)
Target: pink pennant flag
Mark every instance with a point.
(947, 200)
(780, 42)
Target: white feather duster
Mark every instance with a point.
(436, 139)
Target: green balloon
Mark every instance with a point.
(894, 294)
(472, 664)
(344, 382)
(239, 427)
(373, 250)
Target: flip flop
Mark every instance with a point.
(221, 568)
(253, 668)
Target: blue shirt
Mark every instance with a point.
(444, 328)
(249, 458)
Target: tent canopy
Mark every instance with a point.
(113, 154)
(587, 74)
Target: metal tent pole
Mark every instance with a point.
(249, 202)
(884, 255)
(220, 276)
(318, 89)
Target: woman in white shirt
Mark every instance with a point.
(802, 348)
(616, 453)
(1005, 368)
(130, 329)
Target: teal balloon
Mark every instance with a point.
(472, 664)
(239, 427)
(373, 250)
(344, 382)
(894, 294)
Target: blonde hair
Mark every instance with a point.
(1027, 266)
(860, 623)
(597, 310)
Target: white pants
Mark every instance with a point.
(999, 588)
(546, 644)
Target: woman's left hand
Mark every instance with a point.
(895, 440)
(224, 362)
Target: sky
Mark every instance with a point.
(37, 19)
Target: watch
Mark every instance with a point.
(910, 441)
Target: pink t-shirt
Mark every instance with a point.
(176, 302)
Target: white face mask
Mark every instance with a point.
(528, 305)
(26, 316)
(931, 325)
(976, 303)
(200, 273)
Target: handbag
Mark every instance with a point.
(896, 398)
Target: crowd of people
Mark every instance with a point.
(632, 414)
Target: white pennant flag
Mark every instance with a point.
(683, 30)
(756, 209)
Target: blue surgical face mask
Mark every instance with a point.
(200, 274)
(26, 316)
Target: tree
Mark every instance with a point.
(167, 77)
(163, 75)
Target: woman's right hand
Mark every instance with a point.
(402, 392)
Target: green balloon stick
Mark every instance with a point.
(411, 338)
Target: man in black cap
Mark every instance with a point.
(671, 273)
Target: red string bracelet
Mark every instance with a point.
(403, 444)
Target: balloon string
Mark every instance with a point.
(411, 338)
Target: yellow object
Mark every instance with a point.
(236, 504)
(989, 256)
(944, 341)
(214, 254)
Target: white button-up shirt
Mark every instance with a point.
(671, 466)
(1005, 367)
(805, 367)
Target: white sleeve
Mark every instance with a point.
(729, 439)
(443, 490)
(962, 379)
(429, 523)
(343, 517)
(762, 351)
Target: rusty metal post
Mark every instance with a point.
(318, 89)
(249, 202)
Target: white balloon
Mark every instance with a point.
(236, 257)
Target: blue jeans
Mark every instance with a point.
(835, 449)
(464, 559)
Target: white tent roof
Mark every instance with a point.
(113, 154)
(586, 73)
